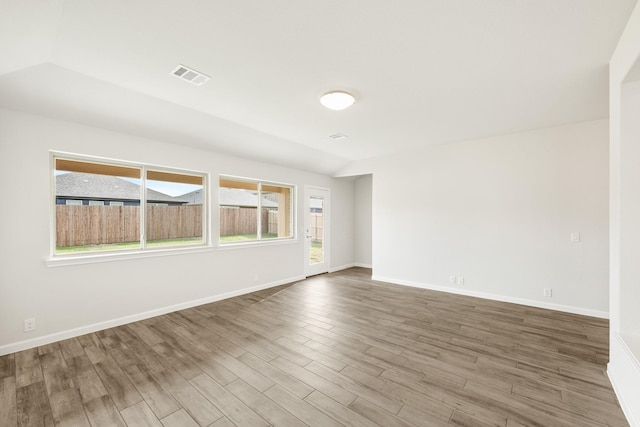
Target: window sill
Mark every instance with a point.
(60, 261)
(256, 243)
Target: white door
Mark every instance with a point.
(316, 230)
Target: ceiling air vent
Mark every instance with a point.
(338, 136)
(190, 75)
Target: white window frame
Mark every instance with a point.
(142, 252)
(96, 202)
(259, 240)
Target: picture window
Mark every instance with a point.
(254, 210)
(103, 206)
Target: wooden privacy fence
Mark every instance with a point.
(235, 220)
(174, 222)
(316, 224)
(95, 225)
(99, 225)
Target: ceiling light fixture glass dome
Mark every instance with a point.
(337, 100)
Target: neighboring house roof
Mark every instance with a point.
(193, 197)
(93, 186)
(76, 185)
(244, 198)
(233, 197)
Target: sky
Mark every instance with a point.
(172, 188)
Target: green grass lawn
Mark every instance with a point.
(245, 237)
(315, 254)
(60, 250)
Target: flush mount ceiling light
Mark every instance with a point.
(337, 100)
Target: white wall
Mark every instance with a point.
(498, 212)
(629, 319)
(70, 300)
(342, 218)
(362, 224)
(624, 89)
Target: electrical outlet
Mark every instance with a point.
(547, 292)
(29, 324)
(452, 280)
(460, 280)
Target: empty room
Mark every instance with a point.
(320, 213)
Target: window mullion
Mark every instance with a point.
(143, 209)
(206, 230)
(259, 212)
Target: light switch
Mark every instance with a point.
(575, 237)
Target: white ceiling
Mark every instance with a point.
(423, 71)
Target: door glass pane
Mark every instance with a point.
(316, 230)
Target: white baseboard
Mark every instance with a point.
(70, 333)
(346, 266)
(359, 264)
(624, 373)
(341, 267)
(496, 297)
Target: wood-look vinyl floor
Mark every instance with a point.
(337, 349)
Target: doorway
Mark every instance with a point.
(316, 227)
